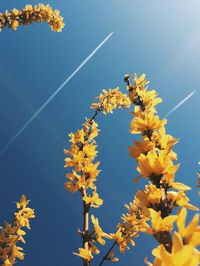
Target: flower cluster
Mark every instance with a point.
(184, 243)
(155, 161)
(111, 99)
(12, 233)
(30, 14)
(132, 222)
(84, 171)
(80, 158)
(151, 209)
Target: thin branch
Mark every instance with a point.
(86, 207)
(106, 255)
(85, 227)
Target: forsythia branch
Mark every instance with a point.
(155, 157)
(84, 170)
(13, 233)
(30, 14)
(151, 209)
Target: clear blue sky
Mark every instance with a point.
(159, 38)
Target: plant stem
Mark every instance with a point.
(86, 208)
(85, 227)
(106, 255)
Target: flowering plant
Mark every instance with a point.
(154, 209)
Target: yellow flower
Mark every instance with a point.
(23, 216)
(140, 82)
(180, 186)
(190, 233)
(146, 122)
(155, 164)
(17, 253)
(94, 200)
(165, 142)
(149, 197)
(150, 99)
(118, 237)
(10, 230)
(90, 128)
(77, 137)
(23, 202)
(180, 199)
(144, 101)
(132, 222)
(89, 149)
(140, 147)
(136, 217)
(110, 100)
(83, 180)
(71, 186)
(159, 224)
(111, 257)
(98, 231)
(80, 158)
(93, 248)
(182, 255)
(12, 233)
(90, 170)
(122, 239)
(85, 254)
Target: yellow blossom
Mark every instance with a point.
(179, 186)
(191, 232)
(132, 222)
(98, 231)
(144, 101)
(165, 142)
(140, 147)
(23, 216)
(123, 239)
(111, 257)
(23, 202)
(146, 122)
(149, 197)
(85, 254)
(160, 224)
(155, 164)
(139, 83)
(94, 200)
(80, 157)
(181, 255)
(180, 199)
(13, 233)
(90, 128)
(110, 100)
(150, 99)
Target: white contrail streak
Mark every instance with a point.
(179, 104)
(54, 94)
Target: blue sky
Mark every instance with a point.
(158, 38)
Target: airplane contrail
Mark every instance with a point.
(54, 94)
(180, 103)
